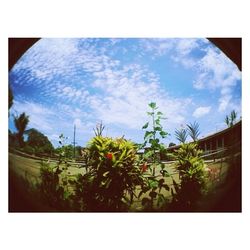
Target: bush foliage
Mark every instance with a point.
(192, 176)
(109, 184)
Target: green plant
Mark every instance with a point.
(98, 130)
(109, 184)
(193, 130)
(21, 123)
(181, 135)
(65, 151)
(152, 137)
(192, 177)
(153, 184)
(230, 120)
(55, 180)
(51, 190)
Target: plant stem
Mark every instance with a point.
(153, 116)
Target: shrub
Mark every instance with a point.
(109, 184)
(192, 177)
(54, 186)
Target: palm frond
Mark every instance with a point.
(193, 130)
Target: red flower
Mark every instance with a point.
(144, 167)
(109, 156)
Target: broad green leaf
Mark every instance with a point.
(152, 105)
(148, 134)
(145, 126)
(158, 122)
(153, 184)
(158, 128)
(163, 134)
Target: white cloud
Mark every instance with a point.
(224, 101)
(178, 48)
(216, 71)
(127, 92)
(118, 93)
(201, 111)
(185, 46)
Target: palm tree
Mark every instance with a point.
(233, 116)
(181, 135)
(230, 120)
(193, 130)
(21, 123)
(227, 121)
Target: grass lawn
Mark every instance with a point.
(24, 173)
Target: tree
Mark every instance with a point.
(39, 141)
(227, 121)
(21, 123)
(230, 120)
(181, 135)
(193, 130)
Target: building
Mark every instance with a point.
(229, 138)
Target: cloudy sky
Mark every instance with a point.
(62, 82)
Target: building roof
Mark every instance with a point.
(220, 132)
(208, 137)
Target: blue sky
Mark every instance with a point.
(62, 82)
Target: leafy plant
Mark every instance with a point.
(192, 177)
(54, 186)
(181, 135)
(153, 184)
(151, 189)
(21, 123)
(98, 130)
(65, 151)
(55, 180)
(110, 183)
(230, 120)
(193, 130)
(152, 137)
